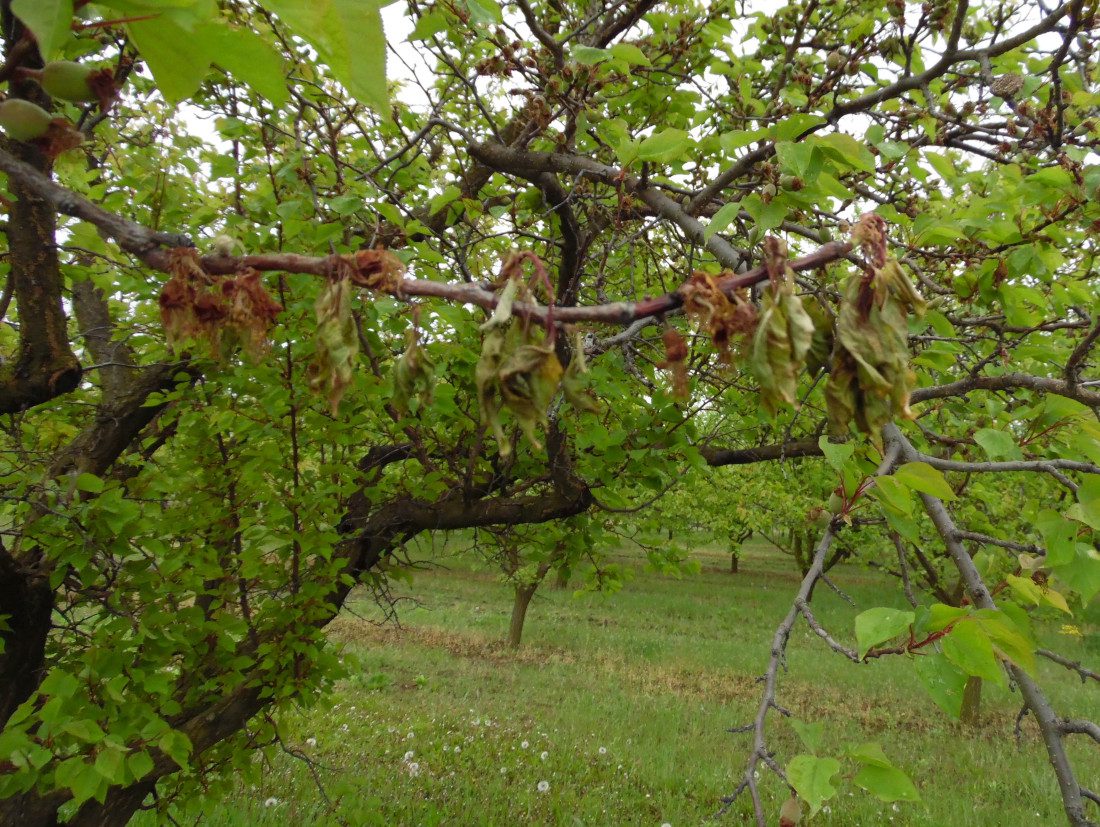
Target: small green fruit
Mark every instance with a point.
(834, 60)
(768, 191)
(836, 503)
(23, 120)
(67, 80)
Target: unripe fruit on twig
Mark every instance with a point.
(834, 60)
(836, 503)
(23, 120)
(67, 80)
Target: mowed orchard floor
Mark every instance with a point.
(621, 705)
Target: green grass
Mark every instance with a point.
(630, 697)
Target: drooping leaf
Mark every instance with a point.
(337, 342)
(813, 777)
(349, 39)
(878, 625)
(50, 22)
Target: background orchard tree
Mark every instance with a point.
(242, 366)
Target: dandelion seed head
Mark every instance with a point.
(311, 742)
(272, 802)
(603, 750)
(544, 786)
(544, 755)
(524, 745)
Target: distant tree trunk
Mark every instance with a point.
(561, 581)
(734, 558)
(972, 701)
(519, 613)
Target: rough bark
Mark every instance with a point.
(523, 595)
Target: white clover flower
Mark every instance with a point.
(414, 769)
(524, 745)
(351, 709)
(544, 755)
(311, 742)
(272, 802)
(602, 750)
(408, 756)
(410, 736)
(544, 786)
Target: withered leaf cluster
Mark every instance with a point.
(870, 379)
(413, 374)
(784, 336)
(723, 317)
(223, 312)
(519, 370)
(337, 342)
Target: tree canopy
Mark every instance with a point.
(267, 317)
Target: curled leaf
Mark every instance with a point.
(573, 384)
(413, 374)
(337, 342)
(529, 379)
(870, 380)
(784, 337)
(376, 269)
(723, 317)
(675, 361)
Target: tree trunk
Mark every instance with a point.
(735, 556)
(519, 613)
(972, 701)
(562, 579)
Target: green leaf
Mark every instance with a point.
(1026, 589)
(892, 494)
(177, 45)
(589, 55)
(920, 476)
(790, 128)
(110, 764)
(968, 646)
(50, 21)
(767, 216)
(940, 616)
(176, 746)
(629, 53)
(810, 734)
(721, 219)
(250, 58)
(812, 779)
(1059, 536)
(997, 444)
(90, 483)
(880, 777)
(944, 682)
(848, 150)
(484, 12)
(880, 624)
(1087, 508)
(85, 730)
(349, 39)
(664, 146)
(837, 454)
(140, 764)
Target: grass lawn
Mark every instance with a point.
(622, 703)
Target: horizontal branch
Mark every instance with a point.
(153, 249)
